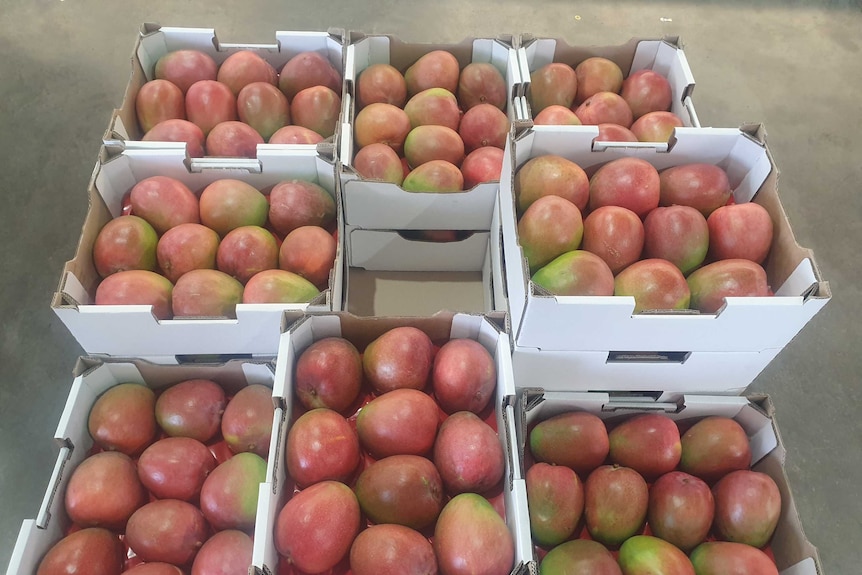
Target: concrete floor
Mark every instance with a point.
(793, 65)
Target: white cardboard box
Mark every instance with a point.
(664, 56)
(602, 324)
(133, 330)
(664, 375)
(362, 331)
(390, 273)
(377, 205)
(794, 554)
(93, 377)
(154, 41)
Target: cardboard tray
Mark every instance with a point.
(664, 55)
(378, 205)
(794, 554)
(154, 41)
(391, 272)
(133, 330)
(93, 376)
(362, 331)
(608, 324)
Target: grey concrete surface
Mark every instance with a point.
(793, 65)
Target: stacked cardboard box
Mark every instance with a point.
(551, 353)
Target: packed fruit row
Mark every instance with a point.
(200, 254)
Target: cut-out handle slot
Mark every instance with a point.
(648, 356)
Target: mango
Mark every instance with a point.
(482, 165)
(209, 103)
(721, 557)
(178, 131)
(399, 422)
(595, 75)
(432, 142)
(383, 124)
(328, 374)
(464, 376)
(655, 284)
(246, 424)
(305, 70)
(550, 227)
(154, 568)
(579, 557)
(157, 101)
(94, 551)
(649, 443)
(164, 202)
(484, 125)
(605, 108)
(125, 243)
(616, 235)
(316, 527)
(104, 491)
(379, 162)
(713, 447)
(297, 203)
(321, 446)
(435, 69)
(704, 187)
(175, 468)
(647, 555)
(482, 83)
(576, 439)
(435, 106)
(681, 509)
(225, 552)
(381, 83)
(678, 234)
(263, 107)
(278, 286)
(228, 204)
(245, 67)
(468, 454)
(187, 247)
(551, 175)
(712, 283)
(233, 139)
(577, 272)
(470, 537)
(656, 126)
(434, 176)
(747, 507)
(389, 549)
(123, 418)
(317, 108)
(191, 408)
(246, 251)
(632, 183)
(646, 91)
(185, 67)
(399, 358)
(615, 504)
(554, 84)
(402, 489)
(206, 293)
(555, 499)
(167, 530)
(229, 494)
